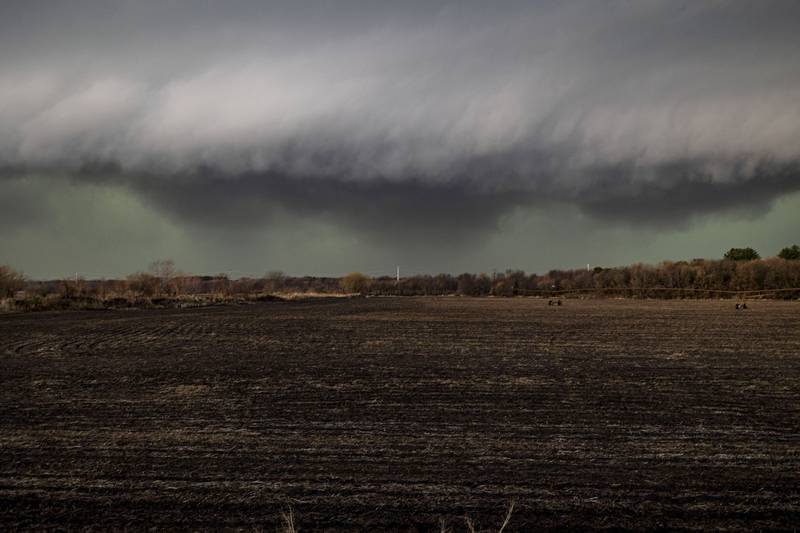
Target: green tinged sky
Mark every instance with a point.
(108, 231)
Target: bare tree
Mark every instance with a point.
(164, 270)
(11, 281)
(275, 280)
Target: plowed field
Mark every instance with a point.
(393, 413)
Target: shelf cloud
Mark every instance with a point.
(438, 114)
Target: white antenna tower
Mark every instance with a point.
(398, 273)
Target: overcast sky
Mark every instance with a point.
(331, 136)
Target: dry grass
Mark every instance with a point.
(310, 295)
(288, 524)
(472, 526)
(287, 517)
(508, 516)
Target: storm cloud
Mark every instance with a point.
(407, 118)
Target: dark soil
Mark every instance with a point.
(391, 414)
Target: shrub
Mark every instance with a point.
(143, 284)
(742, 254)
(11, 281)
(791, 253)
(355, 282)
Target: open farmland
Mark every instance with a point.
(394, 413)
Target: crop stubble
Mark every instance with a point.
(391, 413)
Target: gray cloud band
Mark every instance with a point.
(447, 115)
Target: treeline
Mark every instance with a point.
(146, 285)
(162, 283)
(700, 278)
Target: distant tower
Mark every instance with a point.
(398, 273)
(587, 267)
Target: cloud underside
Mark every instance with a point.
(422, 120)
